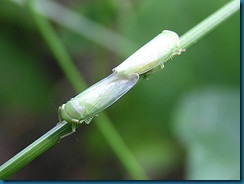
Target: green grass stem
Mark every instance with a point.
(34, 150)
(105, 126)
(208, 24)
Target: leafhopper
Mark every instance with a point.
(153, 54)
(96, 98)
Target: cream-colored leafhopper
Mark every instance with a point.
(104, 93)
(154, 53)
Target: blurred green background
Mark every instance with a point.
(182, 123)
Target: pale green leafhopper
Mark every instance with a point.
(154, 53)
(96, 98)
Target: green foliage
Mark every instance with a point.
(24, 82)
(31, 80)
(207, 122)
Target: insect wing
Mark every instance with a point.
(153, 53)
(117, 87)
(107, 91)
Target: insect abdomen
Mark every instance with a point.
(96, 98)
(154, 53)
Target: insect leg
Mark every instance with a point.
(88, 120)
(73, 130)
(156, 69)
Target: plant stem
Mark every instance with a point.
(51, 138)
(83, 26)
(209, 24)
(119, 147)
(105, 126)
(34, 150)
(58, 49)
